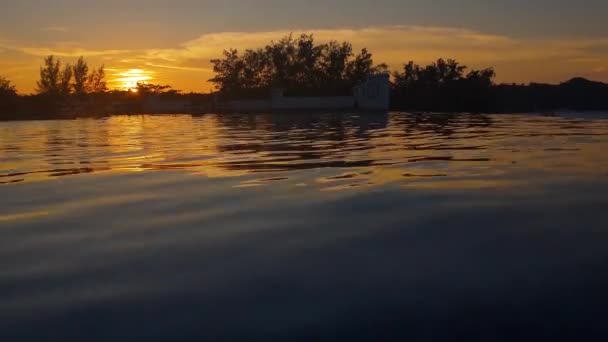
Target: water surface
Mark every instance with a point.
(296, 226)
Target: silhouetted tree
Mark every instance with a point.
(8, 98)
(297, 65)
(65, 85)
(57, 81)
(362, 66)
(49, 76)
(305, 66)
(228, 71)
(96, 81)
(53, 80)
(442, 86)
(155, 89)
(7, 89)
(334, 61)
(81, 74)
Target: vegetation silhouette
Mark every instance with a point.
(143, 88)
(300, 67)
(57, 82)
(66, 89)
(576, 94)
(69, 91)
(8, 97)
(442, 86)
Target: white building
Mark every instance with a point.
(374, 93)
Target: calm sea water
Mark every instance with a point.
(304, 227)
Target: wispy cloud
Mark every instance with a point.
(398, 44)
(69, 52)
(516, 59)
(55, 29)
(180, 68)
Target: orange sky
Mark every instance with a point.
(185, 64)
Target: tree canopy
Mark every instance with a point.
(81, 71)
(144, 88)
(7, 89)
(442, 85)
(54, 81)
(57, 81)
(297, 65)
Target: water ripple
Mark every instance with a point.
(278, 145)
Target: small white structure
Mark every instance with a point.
(373, 94)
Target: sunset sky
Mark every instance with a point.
(173, 41)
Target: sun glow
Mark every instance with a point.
(128, 79)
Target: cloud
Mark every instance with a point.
(187, 65)
(60, 49)
(391, 42)
(180, 68)
(69, 52)
(55, 29)
(398, 44)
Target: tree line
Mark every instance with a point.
(8, 97)
(298, 65)
(69, 90)
(444, 85)
(71, 79)
(61, 89)
(303, 67)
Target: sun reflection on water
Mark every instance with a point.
(329, 151)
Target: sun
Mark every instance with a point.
(128, 79)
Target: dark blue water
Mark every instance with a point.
(304, 227)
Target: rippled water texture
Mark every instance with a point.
(311, 227)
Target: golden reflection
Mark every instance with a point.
(327, 152)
